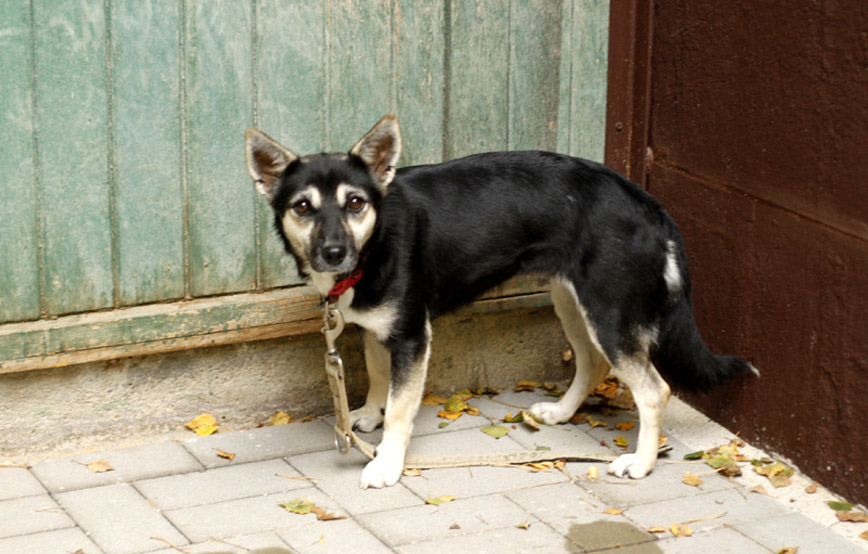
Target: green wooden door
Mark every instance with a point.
(122, 178)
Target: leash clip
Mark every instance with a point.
(333, 326)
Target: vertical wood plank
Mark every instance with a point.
(290, 88)
(419, 53)
(590, 47)
(219, 100)
(478, 77)
(73, 145)
(360, 69)
(19, 270)
(149, 198)
(534, 67)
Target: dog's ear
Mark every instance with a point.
(380, 149)
(266, 161)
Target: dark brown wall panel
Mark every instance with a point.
(757, 132)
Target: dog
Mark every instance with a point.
(413, 243)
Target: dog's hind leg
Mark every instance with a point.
(409, 367)
(651, 394)
(377, 360)
(591, 365)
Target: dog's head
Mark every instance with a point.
(325, 205)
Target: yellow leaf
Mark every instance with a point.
(495, 431)
(788, 550)
(298, 506)
(681, 530)
(440, 499)
(228, 455)
(593, 473)
(662, 440)
(613, 511)
(567, 354)
(433, 400)
(620, 441)
(471, 410)
(656, 529)
(625, 425)
(691, 479)
(412, 472)
(593, 422)
(203, 425)
(100, 466)
(451, 416)
(864, 535)
(526, 385)
(523, 525)
(852, 516)
(455, 403)
(279, 418)
(323, 515)
(607, 389)
(529, 420)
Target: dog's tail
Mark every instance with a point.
(684, 360)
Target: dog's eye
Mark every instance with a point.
(302, 207)
(356, 203)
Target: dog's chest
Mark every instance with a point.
(379, 320)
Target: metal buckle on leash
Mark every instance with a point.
(333, 326)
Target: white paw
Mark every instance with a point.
(367, 418)
(630, 465)
(551, 413)
(384, 470)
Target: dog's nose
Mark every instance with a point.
(334, 255)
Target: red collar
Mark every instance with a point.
(344, 285)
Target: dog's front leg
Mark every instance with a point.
(377, 359)
(409, 367)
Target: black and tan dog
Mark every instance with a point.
(421, 241)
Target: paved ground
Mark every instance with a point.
(180, 496)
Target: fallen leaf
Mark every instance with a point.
(579, 418)
(593, 422)
(725, 466)
(864, 535)
(203, 425)
(625, 425)
(681, 530)
(662, 440)
(543, 448)
(433, 400)
(852, 516)
(624, 401)
(279, 418)
(100, 466)
(778, 474)
(471, 410)
(525, 385)
(455, 404)
(657, 529)
(613, 511)
(780, 481)
(695, 455)
(607, 389)
(455, 526)
(443, 424)
(530, 420)
(540, 466)
(567, 354)
(593, 473)
(691, 479)
(495, 431)
(620, 441)
(524, 525)
(436, 501)
(298, 506)
(323, 515)
(451, 416)
(412, 472)
(228, 455)
(788, 550)
(758, 489)
(812, 488)
(840, 506)
(517, 418)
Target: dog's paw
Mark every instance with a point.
(382, 471)
(630, 465)
(551, 413)
(367, 418)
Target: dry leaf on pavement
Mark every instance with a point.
(203, 425)
(100, 466)
(691, 479)
(436, 501)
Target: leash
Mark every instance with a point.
(345, 437)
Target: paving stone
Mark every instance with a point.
(119, 519)
(600, 535)
(642, 548)
(663, 483)
(716, 541)
(265, 443)
(450, 519)
(333, 537)
(259, 543)
(138, 462)
(338, 476)
(731, 506)
(467, 441)
(221, 484)
(467, 482)
(536, 538)
(31, 514)
(797, 530)
(60, 541)
(248, 515)
(562, 505)
(16, 482)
